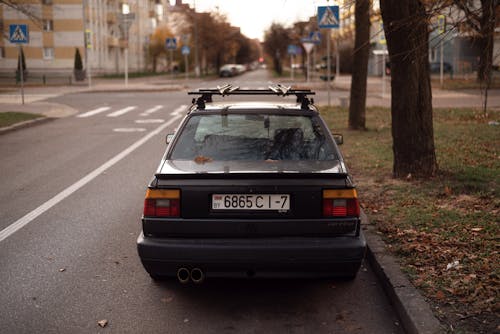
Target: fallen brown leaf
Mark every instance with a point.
(102, 323)
(201, 159)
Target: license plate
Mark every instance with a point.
(279, 202)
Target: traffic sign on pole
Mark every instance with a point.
(328, 17)
(315, 37)
(18, 33)
(171, 43)
(441, 24)
(292, 49)
(185, 50)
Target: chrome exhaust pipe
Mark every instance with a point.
(183, 275)
(197, 275)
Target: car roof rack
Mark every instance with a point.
(228, 89)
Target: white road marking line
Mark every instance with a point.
(28, 218)
(121, 111)
(151, 110)
(129, 130)
(149, 121)
(94, 112)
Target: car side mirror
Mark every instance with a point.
(169, 138)
(339, 139)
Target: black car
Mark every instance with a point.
(251, 189)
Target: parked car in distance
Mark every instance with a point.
(230, 70)
(435, 67)
(251, 190)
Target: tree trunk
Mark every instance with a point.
(357, 105)
(485, 41)
(406, 30)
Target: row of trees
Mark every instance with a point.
(406, 26)
(217, 41)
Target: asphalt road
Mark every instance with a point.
(71, 197)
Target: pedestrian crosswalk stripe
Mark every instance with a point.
(121, 111)
(151, 110)
(93, 112)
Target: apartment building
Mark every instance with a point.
(58, 27)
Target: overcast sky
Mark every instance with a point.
(255, 16)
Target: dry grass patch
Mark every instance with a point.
(445, 230)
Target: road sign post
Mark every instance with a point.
(441, 30)
(19, 34)
(308, 44)
(292, 51)
(125, 21)
(328, 18)
(382, 53)
(185, 50)
(171, 45)
(315, 36)
(88, 47)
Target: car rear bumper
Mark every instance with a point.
(262, 257)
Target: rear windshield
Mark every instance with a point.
(253, 137)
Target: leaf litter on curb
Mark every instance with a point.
(445, 230)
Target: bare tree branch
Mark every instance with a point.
(26, 9)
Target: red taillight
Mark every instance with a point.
(149, 207)
(340, 203)
(162, 203)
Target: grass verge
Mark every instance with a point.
(12, 117)
(444, 230)
(459, 83)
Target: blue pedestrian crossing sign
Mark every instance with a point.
(328, 17)
(315, 36)
(171, 43)
(18, 33)
(292, 50)
(185, 50)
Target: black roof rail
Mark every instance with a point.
(205, 94)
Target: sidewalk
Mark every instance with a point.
(10, 97)
(35, 96)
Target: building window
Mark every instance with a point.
(48, 53)
(2, 52)
(46, 2)
(48, 25)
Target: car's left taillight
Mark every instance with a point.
(162, 203)
(340, 203)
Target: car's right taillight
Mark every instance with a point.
(340, 203)
(162, 203)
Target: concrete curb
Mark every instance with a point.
(413, 311)
(48, 111)
(25, 124)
